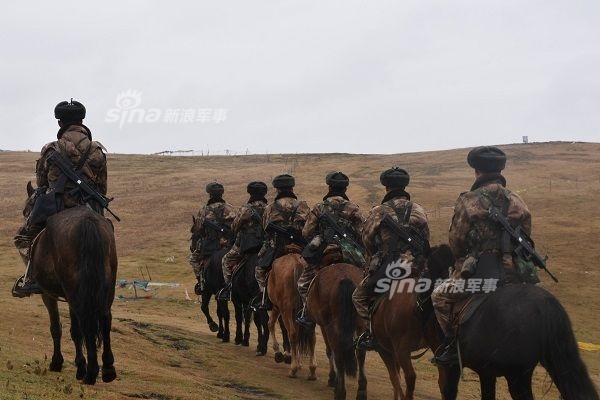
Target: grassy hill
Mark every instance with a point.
(162, 345)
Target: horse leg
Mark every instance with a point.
(340, 369)
(519, 385)
(108, 370)
(204, 307)
(328, 352)
(223, 315)
(273, 317)
(410, 376)
(77, 338)
(287, 346)
(448, 378)
(56, 332)
(294, 344)
(238, 322)
(262, 332)
(488, 386)
(247, 320)
(394, 373)
(362, 378)
(312, 361)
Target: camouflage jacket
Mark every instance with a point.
(221, 213)
(348, 212)
(472, 231)
(247, 225)
(376, 237)
(73, 145)
(287, 211)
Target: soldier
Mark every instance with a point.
(286, 214)
(55, 192)
(247, 226)
(383, 246)
(211, 231)
(323, 238)
(475, 239)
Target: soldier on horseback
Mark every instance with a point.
(480, 245)
(211, 231)
(397, 213)
(55, 191)
(283, 221)
(332, 230)
(248, 228)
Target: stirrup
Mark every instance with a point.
(366, 342)
(23, 288)
(449, 356)
(224, 294)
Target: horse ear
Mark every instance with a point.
(30, 189)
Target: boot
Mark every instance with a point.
(449, 355)
(224, 294)
(366, 341)
(25, 287)
(304, 320)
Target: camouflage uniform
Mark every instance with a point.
(473, 233)
(288, 212)
(209, 241)
(247, 226)
(75, 145)
(348, 217)
(377, 239)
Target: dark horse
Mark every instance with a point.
(404, 321)
(75, 258)
(517, 327)
(329, 303)
(214, 283)
(245, 291)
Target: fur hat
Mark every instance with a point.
(284, 181)
(487, 159)
(69, 111)
(394, 178)
(337, 180)
(215, 189)
(257, 188)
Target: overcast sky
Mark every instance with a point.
(302, 76)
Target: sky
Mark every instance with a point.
(261, 77)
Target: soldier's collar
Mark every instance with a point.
(286, 193)
(214, 200)
(395, 193)
(486, 179)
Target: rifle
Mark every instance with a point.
(524, 243)
(290, 235)
(90, 193)
(328, 219)
(216, 227)
(416, 243)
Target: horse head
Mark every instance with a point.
(30, 200)
(439, 261)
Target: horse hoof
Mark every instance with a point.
(292, 375)
(331, 382)
(312, 378)
(279, 358)
(361, 395)
(89, 380)
(109, 374)
(213, 326)
(220, 335)
(238, 342)
(245, 343)
(225, 339)
(287, 359)
(259, 353)
(56, 367)
(80, 373)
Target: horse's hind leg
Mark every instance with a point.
(108, 370)
(332, 372)
(239, 317)
(488, 386)
(273, 318)
(77, 338)
(287, 347)
(519, 385)
(362, 378)
(394, 373)
(56, 332)
(204, 308)
(223, 315)
(247, 321)
(409, 375)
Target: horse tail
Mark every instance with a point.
(561, 355)
(347, 327)
(90, 296)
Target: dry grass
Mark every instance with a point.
(163, 347)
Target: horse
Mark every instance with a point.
(214, 282)
(329, 303)
(245, 291)
(282, 288)
(75, 258)
(516, 327)
(404, 321)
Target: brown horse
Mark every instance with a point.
(329, 303)
(405, 322)
(282, 288)
(75, 258)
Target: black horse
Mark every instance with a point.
(245, 292)
(517, 327)
(213, 284)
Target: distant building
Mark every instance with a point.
(525, 139)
